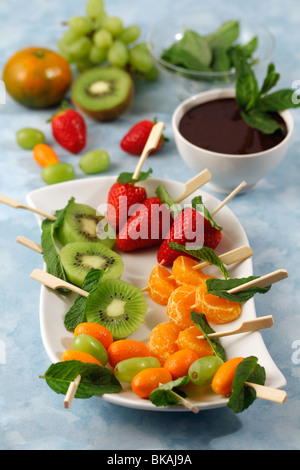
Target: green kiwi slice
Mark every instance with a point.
(103, 93)
(79, 258)
(119, 306)
(82, 223)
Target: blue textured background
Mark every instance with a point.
(31, 415)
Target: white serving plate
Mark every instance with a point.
(137, 267)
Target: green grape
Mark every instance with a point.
(64, 50)
(28, 137)
(140, 58)
(127, 369)
(57, 173)
(80, 48)
(94, 161)
(202, 371)
(113, 24)
(130, 34)
(81, 25)
(92, 346)
(95, 9)
(103, 38)
(97, 55)
(118, 54)
(70, 36)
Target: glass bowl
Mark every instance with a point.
(169, 30)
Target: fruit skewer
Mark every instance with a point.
(246, 327)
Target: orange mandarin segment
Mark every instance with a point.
(184, 272)
(178, 363)
(162, 340)
(160, 285)
(188, 339)
(180, 304)
(216, 309)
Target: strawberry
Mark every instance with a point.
(135, 140)
(122, 197)
(146, 227)
(183, 231)
(69, 129)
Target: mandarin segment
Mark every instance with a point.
(216, 309)
(160, 285)
(162, 340)
(188, 339)
(184, 271)
(180, 304)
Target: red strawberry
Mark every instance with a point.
(121, 198)
(146, 227)
(69, 129)
(183, 231)
(135, 140)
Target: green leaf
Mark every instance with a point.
(197, 46)
(165, 198)
(246, 88)
(51, 254)
(128, 177)
(204, 253)
(198, 205)
(277, 101)
(221, 60)
(200, 321)
(242, 395)
(219, 287)
(270, 80)
(261, 120)
(167, 394)
(179, 57)
(76, 314)
(225, 35)
(95, 379)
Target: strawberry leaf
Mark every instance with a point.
(128, 177)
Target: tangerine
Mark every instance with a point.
(162, 340)
(184, 271)
(160, 285)
(188, 339)
(216, 309)
(180, 304)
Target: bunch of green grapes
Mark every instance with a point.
(97, 38)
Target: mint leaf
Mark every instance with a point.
(270, 80)
(168, 394)
(243, 396)
(204, 253)
(246, 88)
(76, 314)
(225, 35)
(261, 120)
(219, 287)
(165, 198)
(128, 177)
(221, 60)
(197, 46)
(277, 101)
(95, 379)
(198, 205)
(200, 321)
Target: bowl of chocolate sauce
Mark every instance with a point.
(209, 132)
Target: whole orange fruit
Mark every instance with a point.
(37, 77)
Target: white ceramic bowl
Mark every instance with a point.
(228, 171)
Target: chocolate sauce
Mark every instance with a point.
(218, 126)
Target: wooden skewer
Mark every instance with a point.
(29, 244)
(71, 391)
(230, 196)
(54, 282)
(150, 145)
(268, 393)
(262, 281)
(195, 183)
(245, 327)
(19, 205)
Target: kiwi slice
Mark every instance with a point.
(103, 93)
(82, 223)
(117, 305)
(79, 258)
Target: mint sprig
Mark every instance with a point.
(199, 319)
(127, 177)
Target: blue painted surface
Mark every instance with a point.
(31, 415)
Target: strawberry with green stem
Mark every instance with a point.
(69, 129)
(135, 140)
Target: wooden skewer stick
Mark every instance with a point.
(230, 196)
(245, 327)
(54, 283)
(267, 393)
(262, 281)
(230, 257)
(150, 145)
(71, 391)
(19, 205)
(195, 183)
(29, 244)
